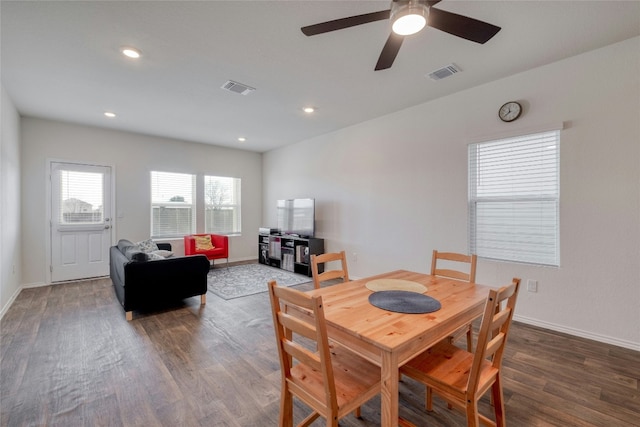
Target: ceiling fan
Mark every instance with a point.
(409, 17)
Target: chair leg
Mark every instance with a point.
(203, 299)
(498, 401)
(428, 404)
(286, 408)
(473, 420)
(357, 412)
(129, 316)
(470, 338)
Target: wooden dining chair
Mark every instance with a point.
(317, 260)
(468, 275)
(461, 378)
(329, 379)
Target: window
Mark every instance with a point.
(514, 198)
(173, 210)
(222, 205)
(81, 197)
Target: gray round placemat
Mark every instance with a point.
(404, 302)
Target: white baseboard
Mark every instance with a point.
(15, 295)
(578, 333)
(35, 285)
(10, 302)
(248, 258)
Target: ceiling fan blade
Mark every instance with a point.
(462, 26)
(389, 51)
(339, 24)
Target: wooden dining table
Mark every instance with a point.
(389, 339)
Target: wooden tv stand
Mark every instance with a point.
(289, 253)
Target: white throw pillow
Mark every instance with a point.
(147, 246)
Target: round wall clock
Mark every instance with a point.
(510, 111)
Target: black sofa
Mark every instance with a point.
(143, 283)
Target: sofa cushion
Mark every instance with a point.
(213, 252)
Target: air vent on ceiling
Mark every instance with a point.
(444, 72)
(236, 87)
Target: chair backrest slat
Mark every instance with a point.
(299, 299)
(302, 354)
(330, 275)
(493, 345)
(443, 272)
(501, 317)
(298, 326)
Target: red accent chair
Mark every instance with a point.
(220, 250)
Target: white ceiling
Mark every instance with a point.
(61, 60)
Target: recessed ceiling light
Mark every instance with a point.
(308, 110)
(242, 139)
(109, 114)
(131, 52)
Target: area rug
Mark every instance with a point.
(242, 280)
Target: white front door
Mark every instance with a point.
(81, 225)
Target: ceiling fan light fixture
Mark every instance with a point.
(409, 18)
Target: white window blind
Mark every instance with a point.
(81, 197)
(514, 198)
(173, 210)
(222, 205)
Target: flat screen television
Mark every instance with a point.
(297, 217)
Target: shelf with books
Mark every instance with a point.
(289, 253)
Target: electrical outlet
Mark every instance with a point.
(354, 257)
(532, 285)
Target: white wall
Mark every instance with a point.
(133, 157)
(393, 189)
(10, 259)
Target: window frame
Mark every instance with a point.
(177, 233)
(234, 204)
(531, 233)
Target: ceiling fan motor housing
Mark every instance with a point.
(408, 16)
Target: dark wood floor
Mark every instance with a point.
(69, 358)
